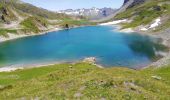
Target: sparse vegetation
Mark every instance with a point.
(72, 22)
(4, 32)
(35, 11)
(32, 24)
(144, 14)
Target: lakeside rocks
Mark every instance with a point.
(90, 60)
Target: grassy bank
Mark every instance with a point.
(85, 81)
(4, 32)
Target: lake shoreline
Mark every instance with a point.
(89, 60)
(165, 60)
(8, 68)
(18, 36)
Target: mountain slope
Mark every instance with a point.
(143, 14)
(133, 2)
(127, 4)
(17, 17)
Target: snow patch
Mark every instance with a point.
(143, 29)
(114, 22)
(156, 23)
(127, 30)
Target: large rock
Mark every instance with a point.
(90, 60)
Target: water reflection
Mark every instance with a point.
(2, 58)
(145, 45)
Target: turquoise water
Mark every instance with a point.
(111, 48)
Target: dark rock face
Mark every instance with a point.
(125, 1)
(4, 11)
(3, 18)
(67, 26)
(157, 8)
(135, 2)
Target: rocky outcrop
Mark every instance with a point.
(129, 4)
(3, 13)
(125, 1)
(134, 2)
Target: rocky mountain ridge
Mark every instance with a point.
(126, 5)
(91, 13)
(134, 2)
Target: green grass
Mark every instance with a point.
(4, 32)
(72, 22)
(27, 74)
(31, 24)
(85, 81)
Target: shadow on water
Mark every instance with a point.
(2, 58)
(145, 45)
